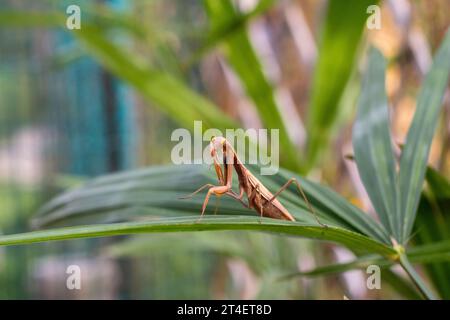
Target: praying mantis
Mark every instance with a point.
(259, 197)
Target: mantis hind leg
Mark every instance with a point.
(254, 199)
(300, 190)
(258, 202)
(237, 197)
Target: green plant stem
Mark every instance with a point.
(416, 279)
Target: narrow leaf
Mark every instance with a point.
(154, 85)
(417, 280)
(338, 235)
(432, 226)
(372, 145)
(138, 193)
(414, 156)
(342, 29)
(425, 254)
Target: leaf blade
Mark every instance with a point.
(413, 161)
(432, 226)
(153, 84)
(338, 235)
(135, 193)
(340, 37)
(372, 146)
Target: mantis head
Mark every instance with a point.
(216, 144)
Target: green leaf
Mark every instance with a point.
(331, 206)
(154, 85)
(425, 254)
(414, 156)
(152, 194)
(339, 235)
(432, 226)
(438, 184)
(417, 280)
(21, 19)
(101, 14)
(246, 64)
(400, 284)
(141, 193)
(344, 24)
(221, 32)
(372, 145)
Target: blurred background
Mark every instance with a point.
(78, 104)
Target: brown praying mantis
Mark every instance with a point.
(258, 196)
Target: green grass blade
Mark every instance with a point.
(344, 24)
(414, 156)
(338, 235)
(372, 145)
(245, 62)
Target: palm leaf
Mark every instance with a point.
(414, 156)
(150, 197)
(350, 239)
(372, 145)
(140, 191)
